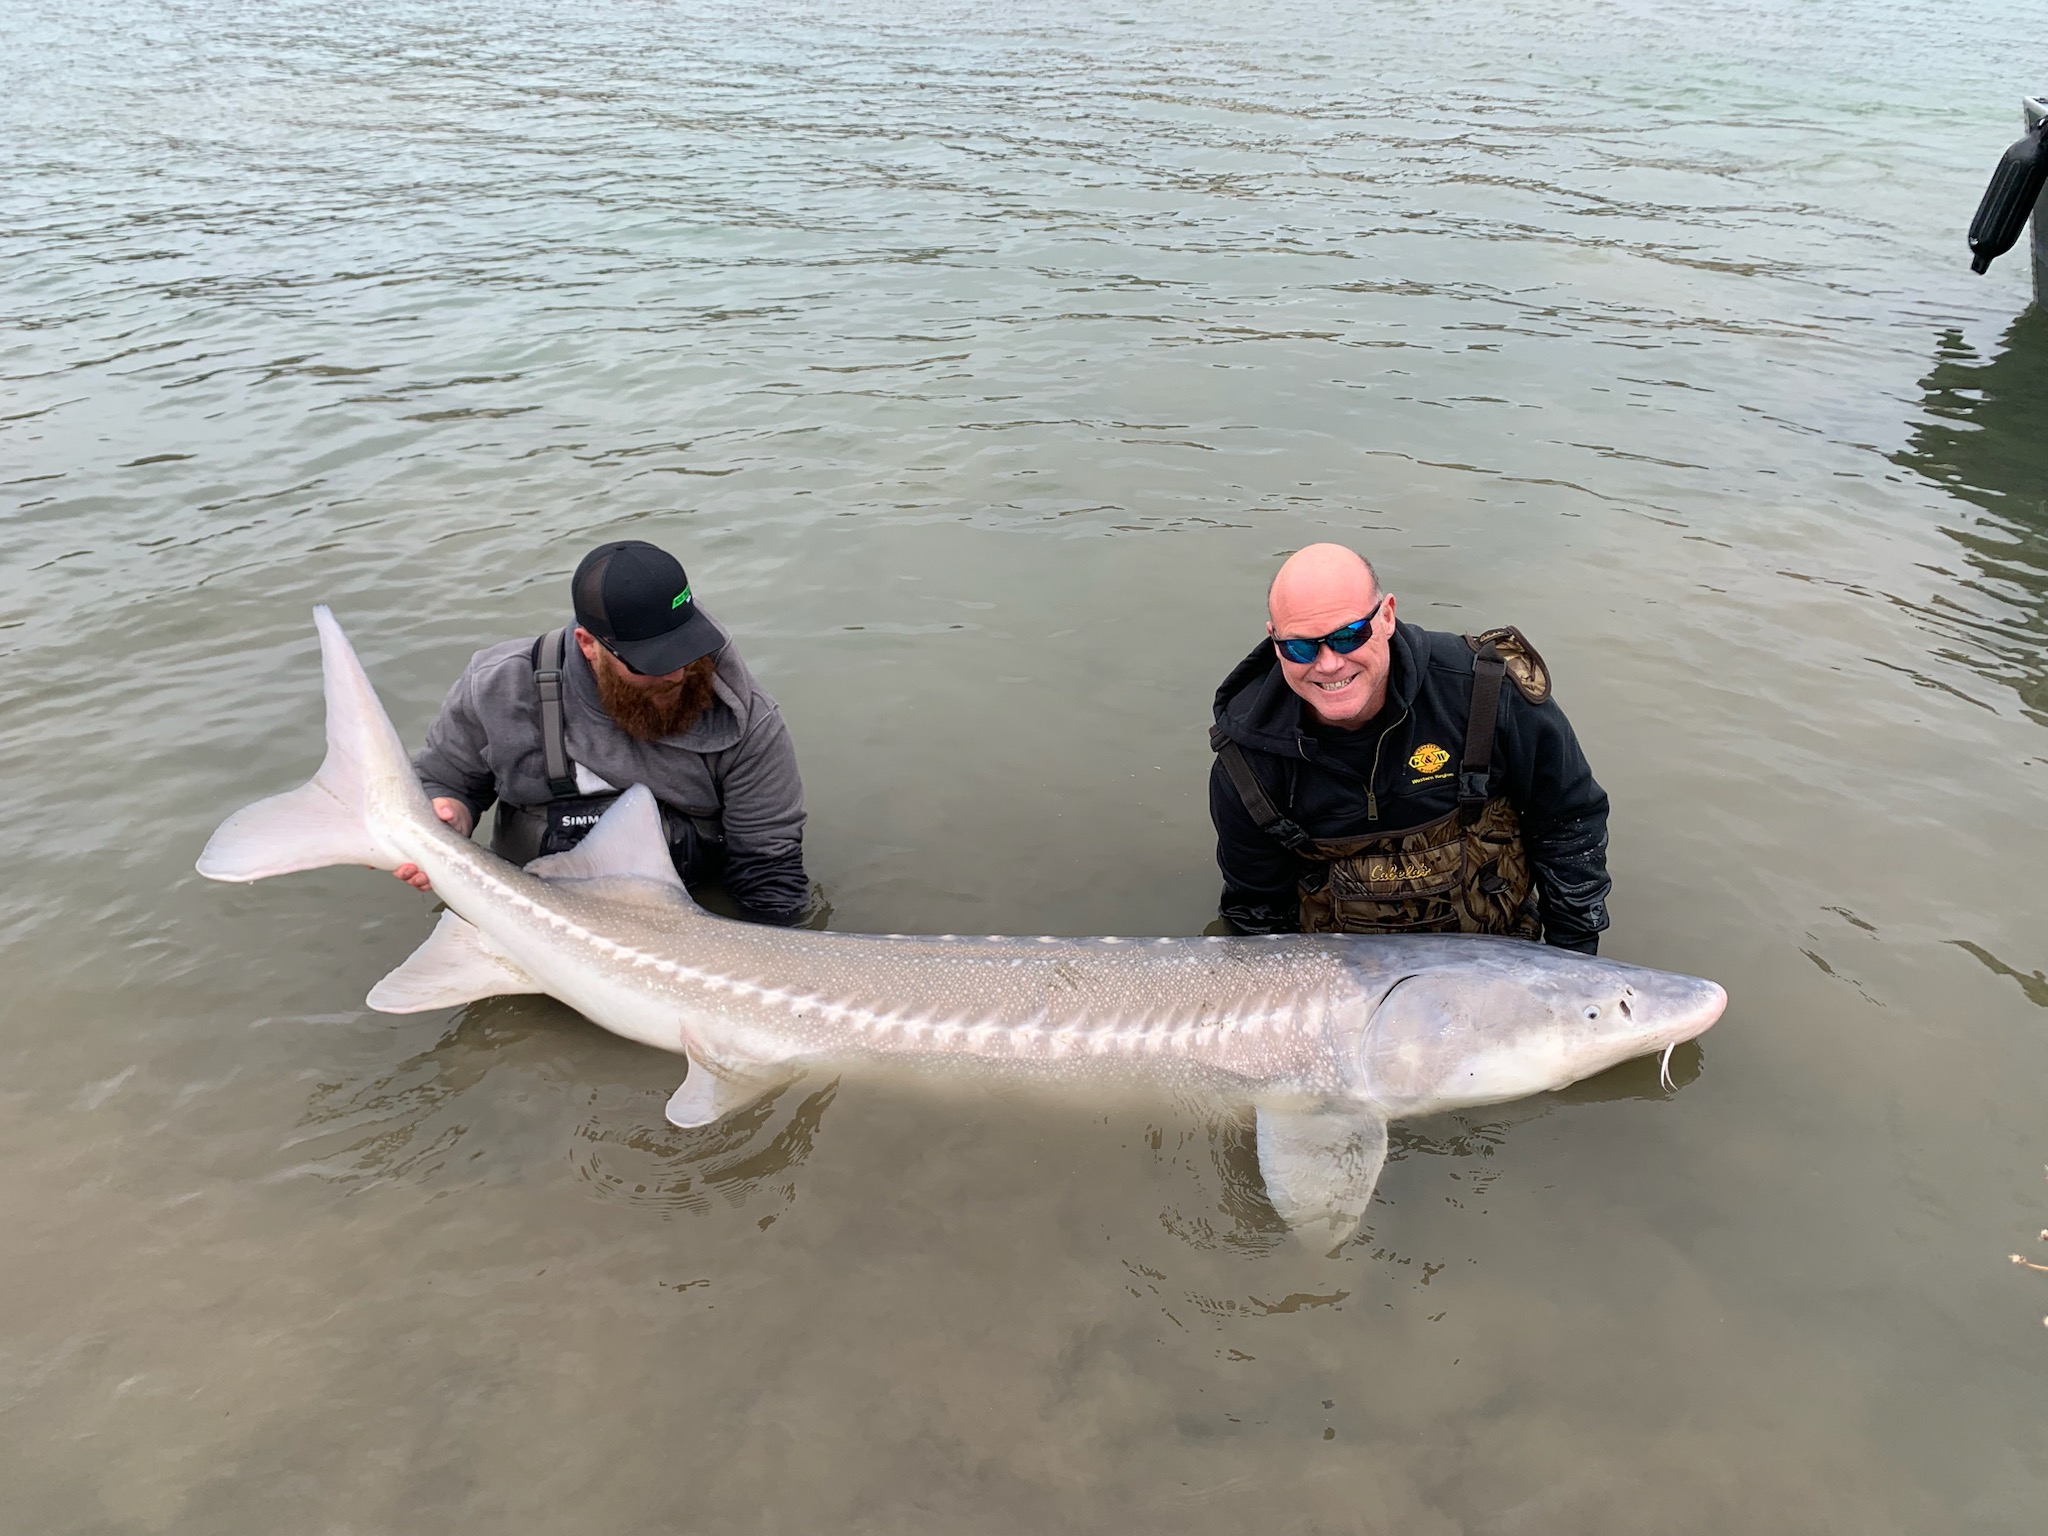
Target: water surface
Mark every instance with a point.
(980, 362)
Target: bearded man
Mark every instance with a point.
(653, 692)
(1377, 777)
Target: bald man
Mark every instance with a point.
(1374, 777)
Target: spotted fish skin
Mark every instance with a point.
(1328, 1036)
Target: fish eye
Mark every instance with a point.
(1592, 1010)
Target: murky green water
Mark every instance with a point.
(979, 362)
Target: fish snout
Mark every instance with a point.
(1718, 1002)
(1685, 1007)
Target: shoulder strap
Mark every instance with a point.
(1256, 800)
(548, 652)
(1476, 769)
(1527, 669)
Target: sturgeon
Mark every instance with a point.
(1326, 1037)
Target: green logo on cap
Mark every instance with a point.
(682, 597)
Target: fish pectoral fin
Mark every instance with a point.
(711, 1093)
(1320, 1165)
(456, 965)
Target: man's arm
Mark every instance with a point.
(763, 813)
(1259, 876)
(1564, 820)
(451, 765)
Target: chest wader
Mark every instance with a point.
(522, 833)
(1465, 872)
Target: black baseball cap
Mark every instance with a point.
(636, 599)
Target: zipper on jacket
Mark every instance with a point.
(1372, 798)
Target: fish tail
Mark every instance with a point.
(364, 790)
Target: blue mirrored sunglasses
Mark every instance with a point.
(1343, 641)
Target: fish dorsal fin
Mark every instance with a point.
(711, 1093)
(456, 965)
(628, 843)
(1320, 1166)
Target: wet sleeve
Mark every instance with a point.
(1564, 821)
(762, 800)
(451, 764)
(1259, 876)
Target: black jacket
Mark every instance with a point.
(1331, 782)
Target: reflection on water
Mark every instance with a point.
(641, 1159)
(407, 1123)
(1982, 440)
(1226, 1206)
(1227, 1211)
(1638, 1079)
(2033, 983)
(1218, 1154)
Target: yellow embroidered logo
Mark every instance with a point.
(1393, 872)
(1428, 758)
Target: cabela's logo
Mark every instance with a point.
(1428, 758)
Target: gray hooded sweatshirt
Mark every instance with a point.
(735, 763)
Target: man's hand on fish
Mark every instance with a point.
(456, 814)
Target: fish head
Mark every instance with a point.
(1513, 1019)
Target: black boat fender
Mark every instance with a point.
(2015, 185)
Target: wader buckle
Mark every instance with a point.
(1293, 838)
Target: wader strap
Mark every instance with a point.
(1477, 767)
(1256, 800)
(554, 731)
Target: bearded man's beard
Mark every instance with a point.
(649, 714)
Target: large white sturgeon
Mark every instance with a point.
(1328, 1037)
